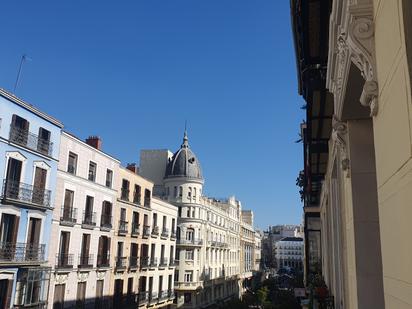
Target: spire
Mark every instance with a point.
(185, 139)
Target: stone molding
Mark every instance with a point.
(339, 138)
(352, 40)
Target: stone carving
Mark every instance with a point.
(100, 275)
(82, 276)
(339, 135)
(61, 278)
(362, 48)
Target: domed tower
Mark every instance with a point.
(183, 178)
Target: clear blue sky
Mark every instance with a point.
(133, 71)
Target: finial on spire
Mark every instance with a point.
(185, 139)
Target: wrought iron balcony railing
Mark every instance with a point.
(85, 261)
(121, 262)
(64, 261)
(153, 262)
(103, 260)
(124, 195)
(173, 262)
(173, 234)
(165, 232)
(106, 222)
(171, 294)
(135, 229)
(163, 261)
(146, 230)
(155, 231)
(143, 297)
(30, 140)
(133, 262)
(193, 242)
(144, 261)
(68, 215)
(153, 297)
(163, 295)
(89, 218)
(123, 225)
(21, 252)
(22, 192)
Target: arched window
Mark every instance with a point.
(189, 193)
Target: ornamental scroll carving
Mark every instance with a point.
(339, 137)
(361, 43)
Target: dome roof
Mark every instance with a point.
(184, 163)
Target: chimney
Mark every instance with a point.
(94, 141)
(132, 167)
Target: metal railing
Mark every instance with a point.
(123, 227)
(155, 231)
(30, 140)
(21, 252)
(64, 261)
(121, 262)
(171, 294)
(144, 261)
(71, 169)
(68, 214)
(147, 202)
(163, 295)
(146, 230)
(173, 262)
(194, 242)
(133, 262)
(85, 261)
(103, 260)
(26, 193)
(173, 234)
(163, 261)
(143, 297)
(153, 262)
(153, 297)
(89, 218)
(165, 232)
(124, 196)
(135, 229)
(106, 221)
(137, 198)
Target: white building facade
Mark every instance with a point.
(289, 253)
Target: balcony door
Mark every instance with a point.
(84, 255)
(33, 238)
(13, 178)
(8, 235)
(39, 185)
(63, 258)
(6, 287)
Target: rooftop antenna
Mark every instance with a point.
(23, 59)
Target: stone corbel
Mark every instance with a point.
(339, 137)
(361, 44)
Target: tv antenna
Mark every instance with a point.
(23, 59)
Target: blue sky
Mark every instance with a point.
(133, 71)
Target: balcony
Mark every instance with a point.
(153, 262)
(173, 234)
(106, 223)
(21, 253)
(144, 262)
(120, 263)
(165, 232)
(147, 202)
(173, 262)
(89, 220)
(143, 297)
(18, 192)
(124, 195)
(29, 140)
(103, 261)
(155, 231)
(64, 261)
(85, 261)
(188, 285)
(68, 216)
(133, 262)
(171, 294)
(153, 297)
(123, 225)
(163, 262)
(190, 242)
(163, 295)
(135, 229)
(146, 231)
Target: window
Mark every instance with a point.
(190, 234)
(72, 163)
(180, 191)
(92, 171)
(109, 178)
(147, 194)
(189, 276)
(188, 298)
(43, 141)
(31, 287)
(125, 190)
(81, 294)
(175, 191)
(189, 193)
(137, 195)
(189, 255)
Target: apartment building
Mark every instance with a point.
(247, 248)
(354, 70)
(144, 245)
(208, 230)
(257, 252)
(289, 253)
(82, 227)
(29, 146)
